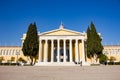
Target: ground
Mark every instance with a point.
(59, 73)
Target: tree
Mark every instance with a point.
(1, 59)
(89, 54)
(103, 58)
(12, 59)
(31, 43)
(94, 46)
(112, 59)
(21, 60)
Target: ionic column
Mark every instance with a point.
(70, 49)
(40, 51)
(45, 51)
(83, 51)
(64, 50)
(58, 51)
(76, 46)
(52, 47)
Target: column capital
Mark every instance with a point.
(58, 39)
(46, 39)
(40, 39)
(70, 40)
(64, 39)
(52, 39)
(76, 39)
(82, 40)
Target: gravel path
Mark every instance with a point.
(59, 73)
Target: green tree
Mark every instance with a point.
(103, 58)
(1, 59)
(21, 60)
(31, 43)
(12, 59)
(112, 59)
(89, 54)
(94, 46)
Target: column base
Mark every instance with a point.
(85, 64)
(60, 64)
(55, 64)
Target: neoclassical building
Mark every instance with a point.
(59, 47)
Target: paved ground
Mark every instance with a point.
(60, 73)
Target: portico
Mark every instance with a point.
(61, 46)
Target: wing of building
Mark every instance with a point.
(112, 51)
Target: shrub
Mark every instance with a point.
(117, 63)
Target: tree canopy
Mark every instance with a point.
(94, 45)
(31, 43)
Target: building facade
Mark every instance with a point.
(59, 47)
(10, 53)
(112, 51)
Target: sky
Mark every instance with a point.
(16, 15)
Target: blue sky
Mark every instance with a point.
(16, 15)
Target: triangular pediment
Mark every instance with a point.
(62, 32)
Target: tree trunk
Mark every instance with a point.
(31, 60)
(28, 59)
(91, 59)
(95, 58)
(34, 61)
